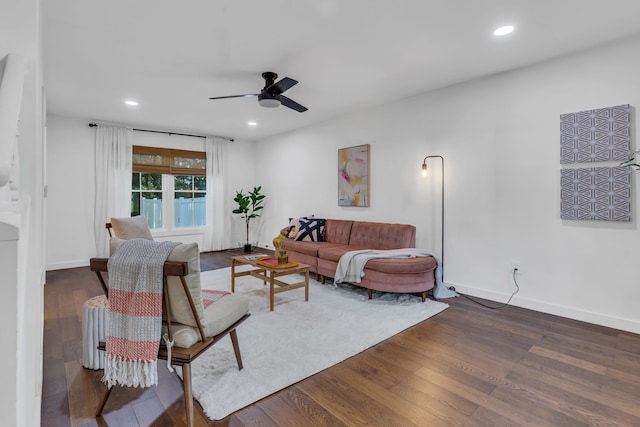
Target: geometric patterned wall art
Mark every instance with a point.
(595, 135)
(602, 193)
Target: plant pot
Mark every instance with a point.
(283, 258)
(247, 248)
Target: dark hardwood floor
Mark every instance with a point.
(468, 366)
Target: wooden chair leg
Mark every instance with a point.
(188, 395)
(104, 401)
(236, 347)
(424, 296)
(370, 293)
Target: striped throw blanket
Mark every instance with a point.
(135, 312)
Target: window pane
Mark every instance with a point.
(183, 211)
(189, 209)
(135, 204)
(152, 195)
(151, 181)
(200, 183)
(183, 182)
(147, 159)
(183, 195)
(189, 162)
(152, 208)
(135, 181)
(199, 209)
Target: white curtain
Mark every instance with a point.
(113, 157)
(216, 236)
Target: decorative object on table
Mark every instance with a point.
(353, 176)
(595, 135)
(274, 262)
(602, 193)
(281, 252)
(249, 205)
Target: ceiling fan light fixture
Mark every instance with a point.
(269, 102)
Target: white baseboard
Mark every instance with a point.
(68, 264)
(574, 313)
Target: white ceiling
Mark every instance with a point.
(348, 55)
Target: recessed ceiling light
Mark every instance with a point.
(252, 124)
(131, 103)
(503, 31)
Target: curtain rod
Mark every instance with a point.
(92, 125)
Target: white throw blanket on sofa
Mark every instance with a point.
(351, 266)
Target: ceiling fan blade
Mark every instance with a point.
(279, 87)
(234, 96)
(288, 102)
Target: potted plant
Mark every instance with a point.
(249, 206)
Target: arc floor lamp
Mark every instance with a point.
(424, 173)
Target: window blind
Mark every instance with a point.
(169, 161)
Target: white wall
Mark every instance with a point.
(21, 308)
(500, 138)
(70, 205)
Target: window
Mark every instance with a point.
(175, 176)
(146, 197)
(189, 201)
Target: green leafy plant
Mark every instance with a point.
(249, 206)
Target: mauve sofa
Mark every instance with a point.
(406, 275)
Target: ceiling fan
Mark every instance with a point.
(271, 95)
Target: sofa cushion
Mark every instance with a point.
(402, 265)
(134, 227)
(180, 308)
(217, 317)
(337, 231)
(307, 248)
(334, 252)
(378, 235)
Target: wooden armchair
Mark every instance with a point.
(208, 333)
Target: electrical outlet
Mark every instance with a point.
(515, 266)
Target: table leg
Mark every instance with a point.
(306, 285)
(271, 287)
(233, 275)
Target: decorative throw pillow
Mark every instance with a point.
(310, 229)
(134, 227)
(294, 227)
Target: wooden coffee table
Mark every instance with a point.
(269, 274)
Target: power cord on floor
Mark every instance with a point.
(515, 270)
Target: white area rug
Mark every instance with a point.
(297, 339)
